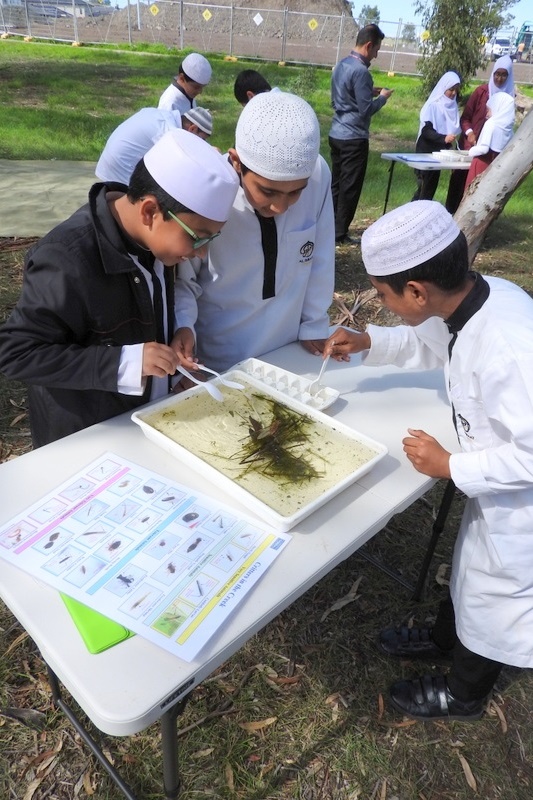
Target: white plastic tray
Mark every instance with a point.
(452, 155)
(288, 383)
(213, 413)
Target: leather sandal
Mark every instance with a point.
(405, 642)
(429, 698)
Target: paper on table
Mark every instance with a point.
(167, 563)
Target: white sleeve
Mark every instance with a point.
(314, 322)
(130, 380)
(479, 150)
(422, 347)
(187, 290)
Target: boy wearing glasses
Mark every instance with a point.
(93, 332)
(268, 279)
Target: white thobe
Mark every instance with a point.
(222, 297)
(131, 140)
(490, 384)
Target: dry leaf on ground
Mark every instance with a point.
(253, 727)
(343, 601)
(469, 775)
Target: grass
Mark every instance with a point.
(317, 685)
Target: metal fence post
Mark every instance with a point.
(395, 48)
(181, 24)
(341, 32)
(74, 22)
(138, 16)
(231, 29)
(284, 35)
(129, 22)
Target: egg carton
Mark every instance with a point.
(288, 383)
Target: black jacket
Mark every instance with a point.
(83, 297)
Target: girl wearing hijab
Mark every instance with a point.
(439, 126)
(495, 134)
(473, 118)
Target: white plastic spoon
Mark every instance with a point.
(314, 387)
(215, 393)
(222, 379)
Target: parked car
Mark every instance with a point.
(499, 46)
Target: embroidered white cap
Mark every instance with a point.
(406, 237)
(202, 118)
(278, 136)
(197, 68)
(194, 173)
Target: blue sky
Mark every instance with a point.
(392, 11)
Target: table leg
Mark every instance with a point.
(85, 735)
(169, 739)
(438, 527)
(391, 172)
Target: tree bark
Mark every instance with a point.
(486, 197)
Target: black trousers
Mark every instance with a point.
(349, 158)
(427, 182)
(456, 189)
(472, 676)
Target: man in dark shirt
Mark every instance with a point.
(354, 102)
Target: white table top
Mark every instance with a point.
(425, 161)
(129, 686)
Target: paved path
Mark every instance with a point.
(37, 195)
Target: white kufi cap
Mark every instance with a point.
(407, 237)
(194, 173)
(197, 68)
(278, 136)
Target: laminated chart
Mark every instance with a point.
(168, 563)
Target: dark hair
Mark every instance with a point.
(249, 80)
(447, 270)
(370, 33)
(141, 183)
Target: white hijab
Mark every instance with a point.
(498, 129)
(504, 62)
(442, 111)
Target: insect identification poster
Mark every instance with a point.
(167, 563)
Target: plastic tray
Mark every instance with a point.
(218, 417)
(452, 155)
(288, 383)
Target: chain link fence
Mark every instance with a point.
(258, 33)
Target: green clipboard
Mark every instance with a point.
(97, 631)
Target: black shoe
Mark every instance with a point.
(344, 241)
(429, 698)
(408, 642)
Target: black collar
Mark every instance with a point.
(470, 305)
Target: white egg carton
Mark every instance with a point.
(288, 383)
(452, 155)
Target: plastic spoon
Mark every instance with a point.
(215, 393)
(314, 387)
(222, 379)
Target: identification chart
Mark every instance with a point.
(167, 563)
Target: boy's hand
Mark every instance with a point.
(183, 345)
(426, 454)
(158, 360)
(343, 342)
(314, 346)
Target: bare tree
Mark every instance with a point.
(486, 197)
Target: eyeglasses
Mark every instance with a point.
(198, 241)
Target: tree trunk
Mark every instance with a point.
(486, 197)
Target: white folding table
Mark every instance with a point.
(136, 683)
(421, 161)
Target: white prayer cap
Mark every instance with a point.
(202, 118)
(278, 136)
(407, 237)
(194, 173)
(197, 68)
